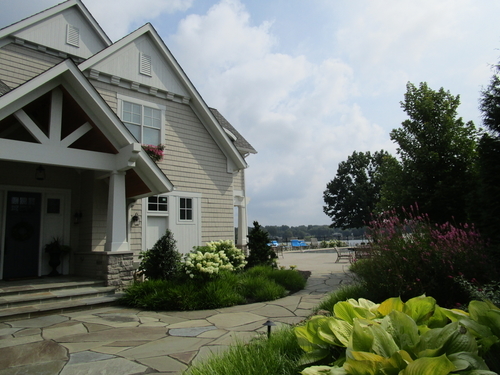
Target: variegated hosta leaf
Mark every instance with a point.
(430, 366)
(420, 309)
(391, 304)
(348, 312)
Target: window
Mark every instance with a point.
(158, 203)
(143, 122)
(186, 209)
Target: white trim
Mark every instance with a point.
(144, 103)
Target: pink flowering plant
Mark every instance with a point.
(412, 256)
(154, 152)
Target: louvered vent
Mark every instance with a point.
(145, 64)
(73, 36)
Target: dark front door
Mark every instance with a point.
(22, 235)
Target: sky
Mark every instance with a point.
(307, 83)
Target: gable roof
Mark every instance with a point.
(240, 142)
(36, 20)
(123, 153)
(190, 95)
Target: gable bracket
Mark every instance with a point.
(28, 123)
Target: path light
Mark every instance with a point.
(269, 324)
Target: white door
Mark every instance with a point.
(156, 227)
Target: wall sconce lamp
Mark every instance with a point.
(77, 217)
(135, 219)
(40, 173)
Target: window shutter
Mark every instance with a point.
(73, 36)
(145, 64)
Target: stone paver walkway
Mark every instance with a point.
(117, 340)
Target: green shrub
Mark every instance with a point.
(258, 288)
(163, 261)
(416, 337)
(412, 256)
(291, 280)
(229, 289)
(162, 295)
(260, 252)
(481, 292)
(260, 271)
(221, 292)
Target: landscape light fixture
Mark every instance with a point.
(269, 324)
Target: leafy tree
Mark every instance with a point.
(437, 151)
(260, 252)
(353, 194)
(490, 103)
(162, 261)
(488, 204)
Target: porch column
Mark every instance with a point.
(116, 236)
(242, 222)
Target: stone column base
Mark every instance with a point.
(116, 267)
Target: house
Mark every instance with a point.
(75, 113)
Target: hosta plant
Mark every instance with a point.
(416, 337)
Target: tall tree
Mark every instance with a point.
(488, 201)
(490, 103)
(353, 194)
(437, 151)
(260, 252)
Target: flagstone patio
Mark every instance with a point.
(119, 340)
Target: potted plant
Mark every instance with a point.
(56, 252)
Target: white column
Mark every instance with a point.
(116, 236)
(242, 222)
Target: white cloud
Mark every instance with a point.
(118, 17)
(221, 39)
(297, 113)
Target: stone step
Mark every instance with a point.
(8, 288)
(53, 295)
(32, 311)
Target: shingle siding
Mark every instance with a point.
(192, 161)
(19, 64)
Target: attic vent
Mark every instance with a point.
(145, 64)
(73, 36)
